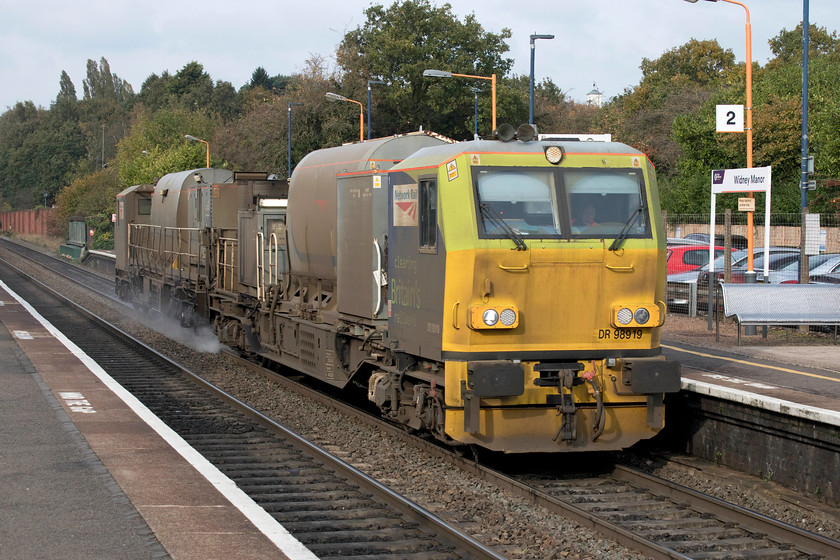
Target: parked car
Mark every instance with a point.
(683, 258)
(831, 278)
(738, 241)
(818, 265)
(684, 241)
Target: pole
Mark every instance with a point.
(368, 107)
(803, 175)
(289, 141)
(531, 100)
(534, 37)
(289, 144)
(803, 180)
(493, 85)
(368, 129)
(475, 116)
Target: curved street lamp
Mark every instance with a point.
(750, 275)
(445, 74)
(335, 97)
(194, 139)
(534, 37)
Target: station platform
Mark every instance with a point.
(802, 381)
(88, 474)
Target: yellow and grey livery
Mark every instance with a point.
(507, 295)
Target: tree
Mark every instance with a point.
(398, 43)
(100, 83)
(91, 197)
(787, 45)
(259, 78)
(679, 82)
(156, 145)
(39, 152)
(191, 87)
(66, 90)
(154, 93)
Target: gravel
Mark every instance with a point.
(513, 526)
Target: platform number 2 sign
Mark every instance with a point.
(729, 118)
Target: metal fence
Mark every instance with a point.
(785, 231)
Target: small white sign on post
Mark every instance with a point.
(729, 118)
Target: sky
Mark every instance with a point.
(597, 42)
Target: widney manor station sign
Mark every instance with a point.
(752, 179)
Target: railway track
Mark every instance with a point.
(644, 513)
(332, 508)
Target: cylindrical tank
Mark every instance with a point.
(313, 208)
(173, 192)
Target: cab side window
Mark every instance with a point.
(428, 215)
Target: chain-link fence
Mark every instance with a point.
(688, 292)
(785, 229)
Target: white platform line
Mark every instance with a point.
(266, 524)
(806, 412)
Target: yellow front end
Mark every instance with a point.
(578, 321)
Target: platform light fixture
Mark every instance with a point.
(534, 37)
(336, 97)
(192, 138)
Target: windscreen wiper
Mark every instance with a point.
(490, 213)
(622, 235)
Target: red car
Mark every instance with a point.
(683, 258)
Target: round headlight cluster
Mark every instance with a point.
(642, 316)
(624, 316)
(554, 154)
(490, 317)
(508, 317)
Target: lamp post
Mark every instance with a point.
(289, 141)
(475, 91)
(803, 181)
(194, 139)
(368, 84)
(534, 37)
(445, 74)
(750, 274)
(335, 97)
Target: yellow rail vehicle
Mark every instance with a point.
(507, 295)
(547, 328)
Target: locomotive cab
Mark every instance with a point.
(547, 327)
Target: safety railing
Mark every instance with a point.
(226, 263)
(171, 253)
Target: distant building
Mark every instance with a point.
(595, 97)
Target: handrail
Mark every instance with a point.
(377, 277)
(273, 264)
(259, 241)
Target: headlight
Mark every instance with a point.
(633, 316)
(493, 317)
(490, 317)
(554, 154)
(508, 317)
(624, 316)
